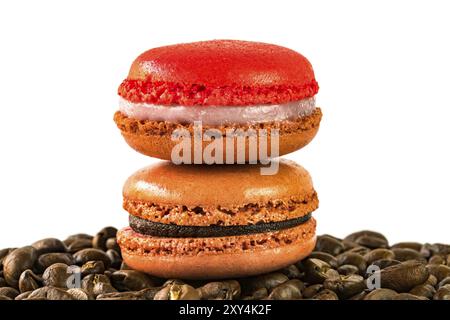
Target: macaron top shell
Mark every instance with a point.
(219, 72)
(165, 183)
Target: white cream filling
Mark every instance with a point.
(217, 115)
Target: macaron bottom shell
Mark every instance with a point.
(217, 258)
(154, 138)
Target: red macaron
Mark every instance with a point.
(225, 85)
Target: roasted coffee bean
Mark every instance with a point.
(131, 280)
(359, 296)
(328, 258)
(92, 267)
(443, 282)
(23, 295)
(443, 293)
(367, 238)
(405, 276)
(108, 272)
(79, 236)
(381, 294)
(46, 260)
(408, 245)
(172, 281)
(148, 293)
(49, 245)
(426, 251)
(384, 263)
(334, 237)
(78, 245)
(99, 241)
(235, 288)
(223, 290)
(49, 293)
(354, 259)
(349, 245)
(292, 272)
(102, 288)
(17, 262)
(435, 249)
(289, 290)
(437, 259)
(96, 284)
(317, 271)
(56, 275)
(379, 254)
(3, 282)
(423, 290)
(405, 254)
(3, 254)
(28, 281)
(312, 290)
(408, 296)
(258, 294)
(440, 271)
(123, 266)
(177, 292)
(432, 280)
(329, 245)
(9, 292)
(348, 269)
(360, 250)
(445, 287)
(85, 255)
(442, 249)
(88, 282)
(216, 291)
(331, 274)
(448, 260)
(111, 244)
(144, 294)
(345, 286)
(268, 281)
(114, 257)
(78, 294)
(326, 294)
(5, 298)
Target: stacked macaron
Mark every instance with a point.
(224, 84)
(221, 220)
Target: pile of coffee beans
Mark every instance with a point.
(362, 266)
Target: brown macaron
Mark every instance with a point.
(218, 89)
(211, 222)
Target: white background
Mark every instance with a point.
(380, 160)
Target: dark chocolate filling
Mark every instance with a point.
(158, 229)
